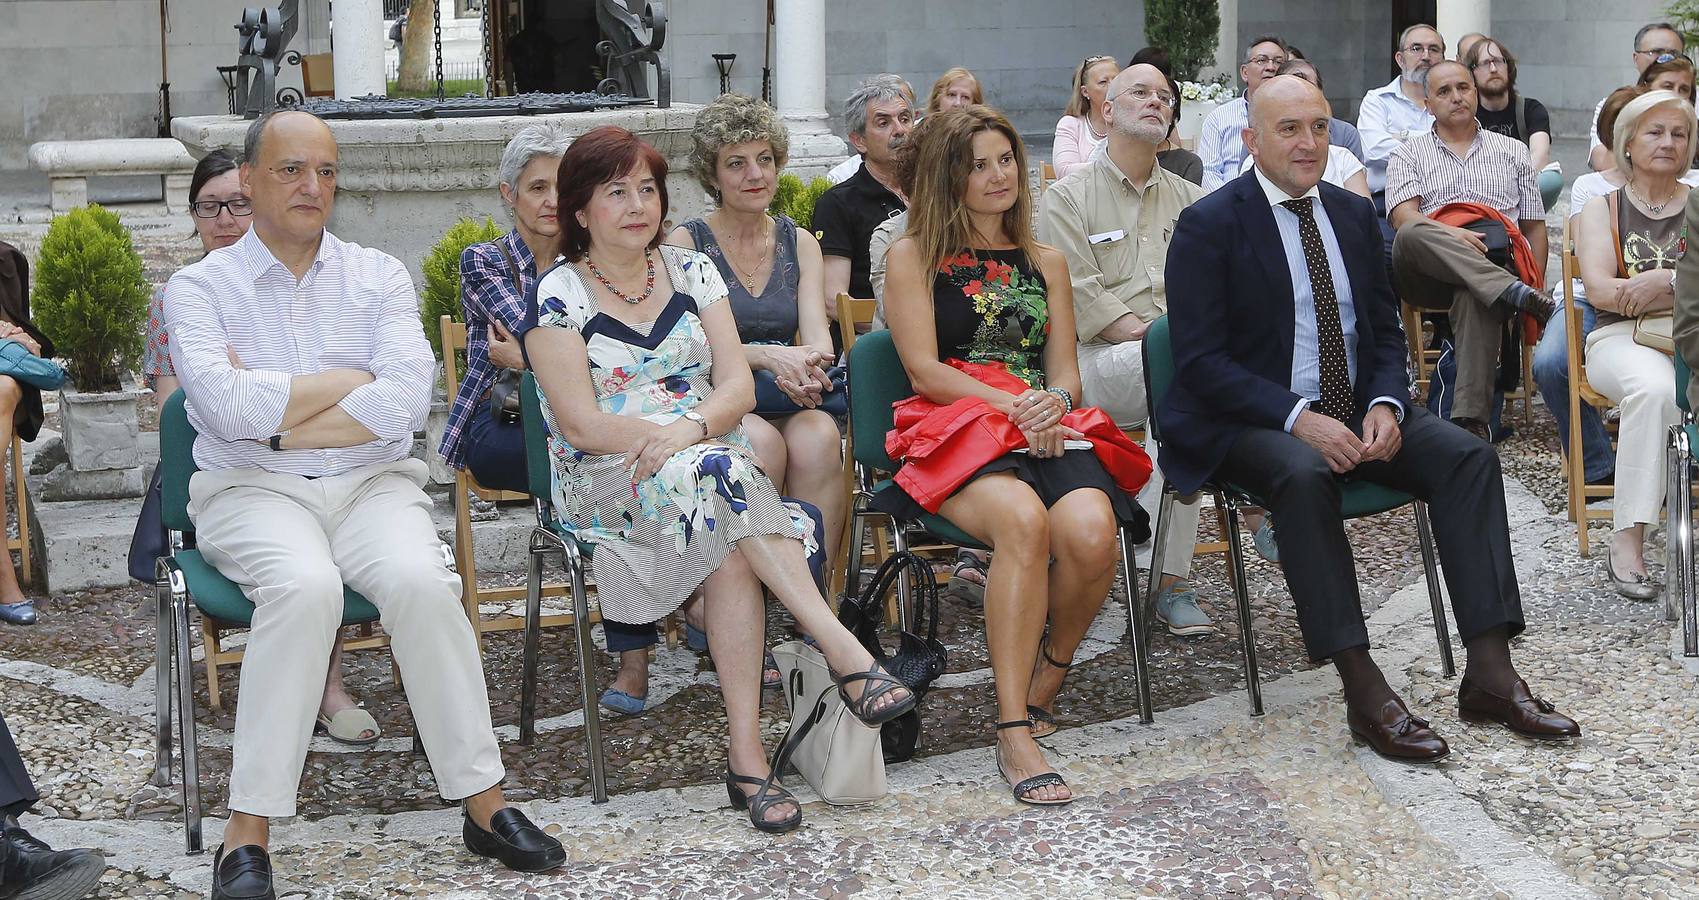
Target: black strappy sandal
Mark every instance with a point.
(1035, 782)
(879, 683)
(768, 794)
(1038, 714)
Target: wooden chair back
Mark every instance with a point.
(1580, 492)
(854, 316)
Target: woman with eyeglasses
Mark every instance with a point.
(222, 214)
(1082, 127)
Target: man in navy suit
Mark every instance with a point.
(1291, 381)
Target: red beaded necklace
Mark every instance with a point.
(648, 283)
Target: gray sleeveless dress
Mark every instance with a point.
(772, 317)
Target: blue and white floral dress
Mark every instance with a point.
(657, 540)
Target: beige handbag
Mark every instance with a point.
(837, 755)
(1656, 330)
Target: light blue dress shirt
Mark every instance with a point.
(1385, 115)
(1306, 341)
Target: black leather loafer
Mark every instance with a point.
(31, 870)
(520, 845)
(242, 874)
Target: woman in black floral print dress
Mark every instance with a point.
(969, 283)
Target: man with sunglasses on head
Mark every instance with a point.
(1651, 43)
(1220, 144)
(307, 373)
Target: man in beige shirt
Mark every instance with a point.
(1112, 219)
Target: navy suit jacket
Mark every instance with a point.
(1231, 318)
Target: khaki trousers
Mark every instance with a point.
(1112, 379)
(1435, 270)
(291, 543)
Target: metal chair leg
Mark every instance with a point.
(1242, 594)
(857, 535)
(533, 635)
(1164, 519)
(1679, 520)
(1136, 620)
(1689, 573)
(1430, 570)
(587, 680)
(162, 678)
(186, 721)
(899, 539)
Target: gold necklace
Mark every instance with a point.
(748, 277)
(1654, 210)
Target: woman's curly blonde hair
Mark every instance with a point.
(734, 119)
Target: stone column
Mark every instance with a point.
(1228, 54)
(1456, 18)
(358, 35)
(799, 85)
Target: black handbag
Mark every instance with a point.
(920, 658)
(147, 544)
(504, 389)
(770, 400)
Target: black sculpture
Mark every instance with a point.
(625, 52)
(264, 32)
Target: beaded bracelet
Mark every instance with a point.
(1067, 398)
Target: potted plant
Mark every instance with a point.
(441, 297)
(1198, 100)
(795, 198)
(92, 298)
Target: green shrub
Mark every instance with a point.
(442, 275)
(1187, 29)
(91, 297)
(1684, 15)
(793, 198)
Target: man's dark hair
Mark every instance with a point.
(1298, 62)
(1265, 39)
(1659, 26)
(1292, 52)
(1475, 53)
(1153, 56)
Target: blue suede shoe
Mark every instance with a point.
(1176, 606)
(622, 704)
(1263, 540)
(18, 613)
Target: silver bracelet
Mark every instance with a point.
(1067, 398)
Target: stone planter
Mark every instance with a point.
(435, 424)
(103, 456)
(1192, 114)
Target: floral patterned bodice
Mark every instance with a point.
(989, 306)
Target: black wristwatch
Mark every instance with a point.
(276, 441)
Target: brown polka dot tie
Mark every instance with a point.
(1336, 398)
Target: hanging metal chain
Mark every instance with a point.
(489, 56)
(436, 26)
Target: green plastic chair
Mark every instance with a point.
(550, 536)
(181, 578)
(876, 381)
(1357, 499)
(1679, 573)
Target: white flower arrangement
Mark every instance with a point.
(1217, 90)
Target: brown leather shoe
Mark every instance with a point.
(1395, 734)
(1521, 712)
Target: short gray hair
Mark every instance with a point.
(1423, 74)
(532, 141)
(256, 132)
(878, 89)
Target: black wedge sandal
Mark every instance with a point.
(1041, 717)
(768, 794)
(879, 683)
(1028, 785)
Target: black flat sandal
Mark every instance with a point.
(879, 683)
(1038, 714)
(768, 794)
(1028, 785)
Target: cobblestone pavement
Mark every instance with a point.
(1207, 802)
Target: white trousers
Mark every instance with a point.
(291, 543)
(1641, 381)
(1112, 379)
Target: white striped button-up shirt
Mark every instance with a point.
(1496, 171)
(355, 309)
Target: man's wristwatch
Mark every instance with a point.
(696, 417)
(276, 441)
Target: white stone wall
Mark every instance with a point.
(1570, 53)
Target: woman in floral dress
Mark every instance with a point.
(650, 463)
(969, 285)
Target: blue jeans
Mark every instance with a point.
(1551, 374)
(495, 451)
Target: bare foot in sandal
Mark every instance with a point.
(1021, 762)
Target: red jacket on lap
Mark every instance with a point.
(940, 446)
